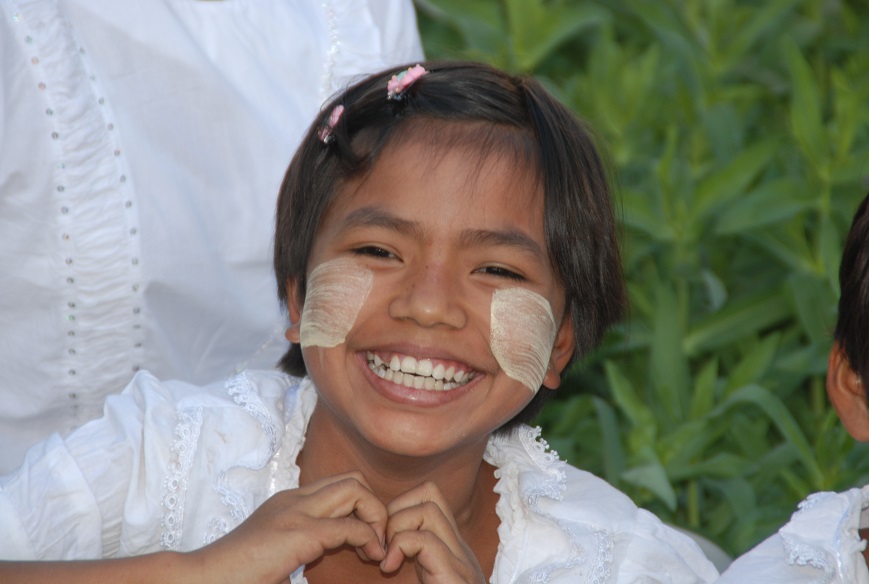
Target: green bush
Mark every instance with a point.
(739, 133)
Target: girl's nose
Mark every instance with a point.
(430, 296)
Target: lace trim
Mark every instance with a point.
(603, 561)
(240, 388)
(799, 554)
(217, 528)
(551, 486)
(175, 483)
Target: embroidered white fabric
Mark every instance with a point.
(820, 544)
(175, 484)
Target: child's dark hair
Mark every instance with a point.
(477, 105)
(853, 320)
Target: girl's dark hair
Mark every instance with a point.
(457, 97)
(853, 320)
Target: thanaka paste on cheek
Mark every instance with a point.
(522, 335)
(337, 289)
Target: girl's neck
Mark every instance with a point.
(463, 478)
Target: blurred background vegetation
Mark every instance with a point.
(739, 133)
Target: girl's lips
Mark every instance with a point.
(419, 373)
(409, 394)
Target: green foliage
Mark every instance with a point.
(740, 135)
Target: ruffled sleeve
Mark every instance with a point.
(563, 525)
(72, 498)
(168, 466)
(820, 543)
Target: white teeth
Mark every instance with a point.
(422, 374)
(424, 368)
(408, 365)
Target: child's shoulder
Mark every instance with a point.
(559, 521)
(820, 543)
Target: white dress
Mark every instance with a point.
(142, 145)
(165, 473)
(819, 545)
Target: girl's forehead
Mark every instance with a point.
(463, 175)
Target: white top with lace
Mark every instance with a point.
(165, 472)
(143, 145)
(821, 544)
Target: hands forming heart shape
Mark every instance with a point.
(297, 527)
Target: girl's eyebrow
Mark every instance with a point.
(374, 217)
(502, 238)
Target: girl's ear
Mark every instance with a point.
(295, 312)
(848, 394)
(562, 351)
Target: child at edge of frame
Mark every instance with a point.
(445, 247)
(825, 539)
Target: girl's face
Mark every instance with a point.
(437, 266)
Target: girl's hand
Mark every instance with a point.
(421, 526)
(296, 527)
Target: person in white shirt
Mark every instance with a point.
(141, 148)
(825, 539)
(445, 247)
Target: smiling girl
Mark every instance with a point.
(445, 248)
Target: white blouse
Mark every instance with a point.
(165, 473)
(820, 544)
(142, 145)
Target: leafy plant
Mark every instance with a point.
(740, 135)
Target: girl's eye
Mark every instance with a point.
(373, 251)
(502, 273)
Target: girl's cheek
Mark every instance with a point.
(522, 335)
(337, 289)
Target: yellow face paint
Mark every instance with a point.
(337, 289)
(522, 335)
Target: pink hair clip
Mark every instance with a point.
(400, 82)
(325, 133)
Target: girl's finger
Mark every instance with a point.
(435, 562)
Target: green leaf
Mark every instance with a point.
(669, 364)
(781, 417)
(719, 465)
(652, 476)
(814, 303)
(754, 363)
(773, 201)
(726, 184)
(613, 455)
(638, 414)
(704, 389)
(537, 29)
(736, 322)
(805, 113)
